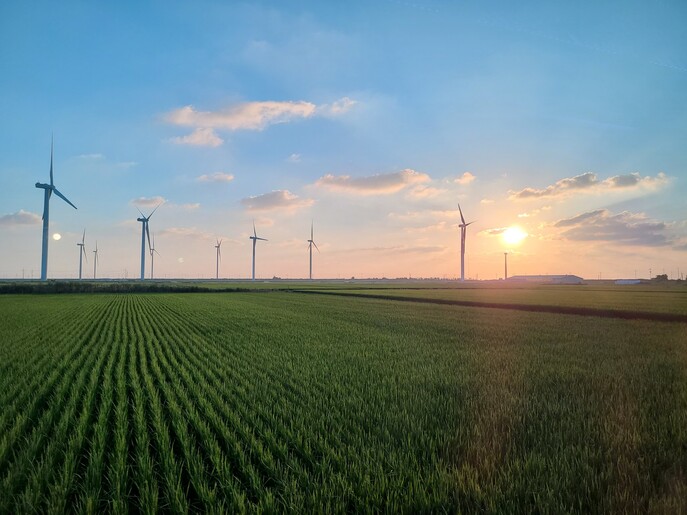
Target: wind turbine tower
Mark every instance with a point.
(255, 239)
(82, 251)
(152, 256)
(95, 259)
(219, 258)
(463, 232)
(311, 243)
(144, 232)
(48, 189)
(505, 266)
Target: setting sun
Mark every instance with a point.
(513, 235)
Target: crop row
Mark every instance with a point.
(287, 402)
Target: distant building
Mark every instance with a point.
(546, 279)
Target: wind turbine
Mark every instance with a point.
(219, 258)
(255, 239)
(49, 189)
(82, 251)
(505, 265)
(152, 255)
(311, 242)
(145, 232)
(463, 232)
(95, 259)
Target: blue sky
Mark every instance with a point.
(371, 118)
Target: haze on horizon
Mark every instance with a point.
(370, 119)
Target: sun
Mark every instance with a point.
(513, 235)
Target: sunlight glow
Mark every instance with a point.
(513, 235)
(56, 236)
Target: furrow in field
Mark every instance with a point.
(289, 447)
(540, 308)
(91, 497)
(252, 478)
(117, 450)
(40, 376)
(174, 497)
(62, 492)
(225, 474)
(202, 496)
(58, 426)
(29, 338)
(33, 422)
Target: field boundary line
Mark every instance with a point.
(537, 308)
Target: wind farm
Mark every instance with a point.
(492, 318)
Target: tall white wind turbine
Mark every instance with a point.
(255, 239)
(311, 243)
(219, 257)
(82, 251)
(152, 255)
(95, 259)
(48, 189)
(145, 232)
(463, 233)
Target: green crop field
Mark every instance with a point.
(303, 402)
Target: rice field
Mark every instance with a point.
(293, 402)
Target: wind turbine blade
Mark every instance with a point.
(51, 147)
(151, 214)
(219, 253)
(83, 238)
(461, 214)
(220, 243)
(85, 257)
(315, 246)
(254, 233)
(311, 230)
(57, 192)
(262, 239)
(139, 210)
(148, 235)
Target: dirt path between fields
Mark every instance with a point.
(563, 310)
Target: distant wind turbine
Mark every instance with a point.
(49, 189)
(505, 265)
(95, 259)
(311, 243)
(152, 256)
(219, 257)
(145, 232)
(463, 233)
(255, 239)
(82, 251)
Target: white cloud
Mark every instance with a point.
(294, 158)
(279, 199)
(589, 183)
(201, 137)
(215, 177)
(336, 108)
(19, 218)
(494, 231)
(253, 115)
(147, 201)
(422, 191)
(90, 156)
(465, 179)
(624, 228)
(486, 201)
(381, 184)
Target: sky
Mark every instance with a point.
(564, 122)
